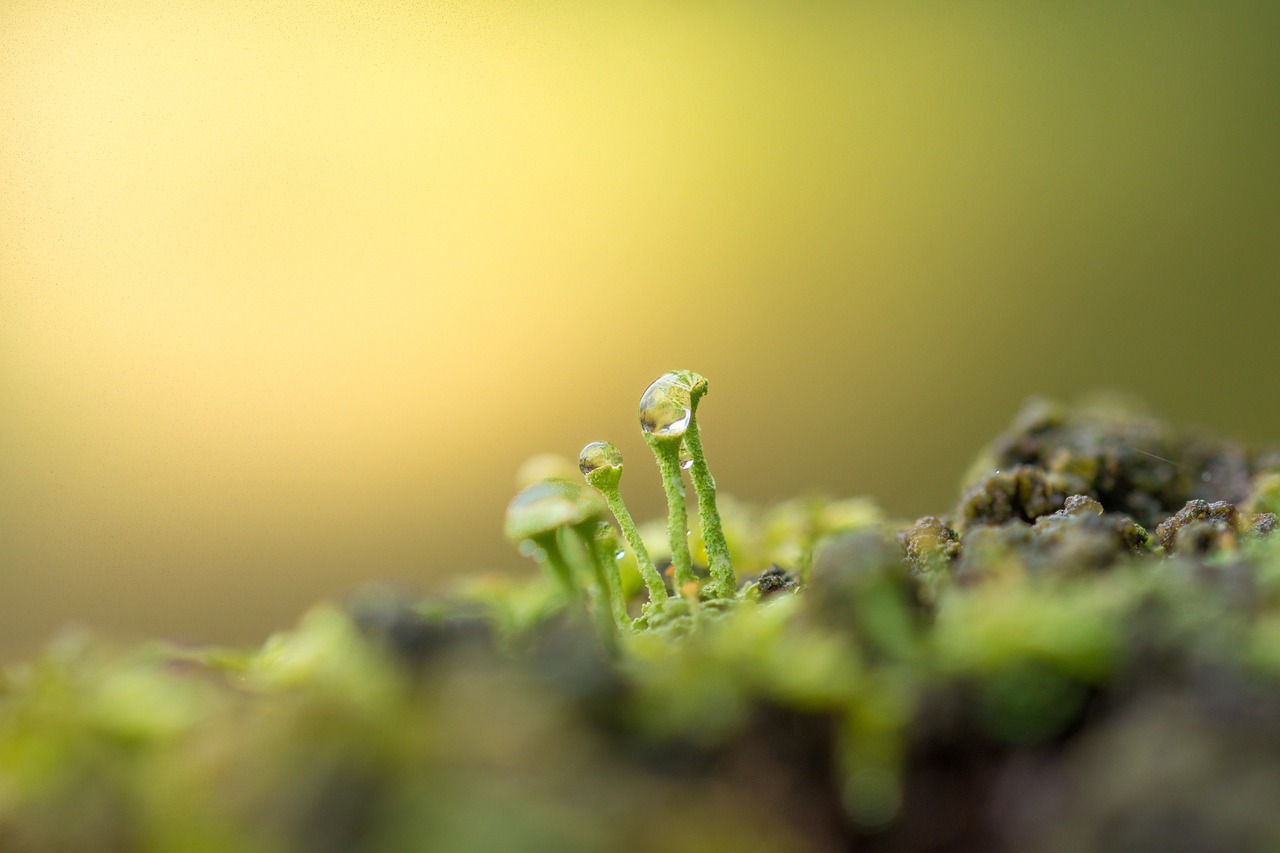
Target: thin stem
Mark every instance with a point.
(606, 546)
(551, 557)
(667, 452)
(601, 592)
(649, 572)
(723, 583)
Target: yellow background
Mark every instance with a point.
(289, 290)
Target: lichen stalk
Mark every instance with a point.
(667, 452)
(723, 583)
(648, 571)
(606, 544)
(601, 607)
(550, 556)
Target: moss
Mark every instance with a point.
(1035, 672)
(1021, 493)
(1122, 457)
(930, 545)
(1200, 527)
(773, 580)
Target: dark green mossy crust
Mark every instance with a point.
(1084, 655)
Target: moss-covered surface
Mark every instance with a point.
(1084, 655)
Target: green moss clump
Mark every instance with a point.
(1032, 672)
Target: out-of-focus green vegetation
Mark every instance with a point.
(287, 291)
(1034, 671)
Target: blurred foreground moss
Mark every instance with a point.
(1038, 670)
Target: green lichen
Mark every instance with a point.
(601, 464)
(1030, 672)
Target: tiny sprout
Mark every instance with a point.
(668, 409)
(601, 463)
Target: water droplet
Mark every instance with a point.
(666, 407)
(551, 504)
(528, 548)
(619, 554)
(598, 455)
(686, 458)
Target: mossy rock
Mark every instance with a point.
(1036, 671)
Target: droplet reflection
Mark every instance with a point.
(666, 406)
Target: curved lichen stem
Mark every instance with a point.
(601, 608)
(550, 556)
(667, 452)
(606, 547)
(648, 571)
(723, 584)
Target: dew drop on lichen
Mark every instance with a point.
(597, 455)
(666, 406)
(686, 458)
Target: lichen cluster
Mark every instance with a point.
(1084, 654)
(668, 415)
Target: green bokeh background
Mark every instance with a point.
(289, 291)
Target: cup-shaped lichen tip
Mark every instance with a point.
(545, 507)
(667, 405)
(601, 463)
